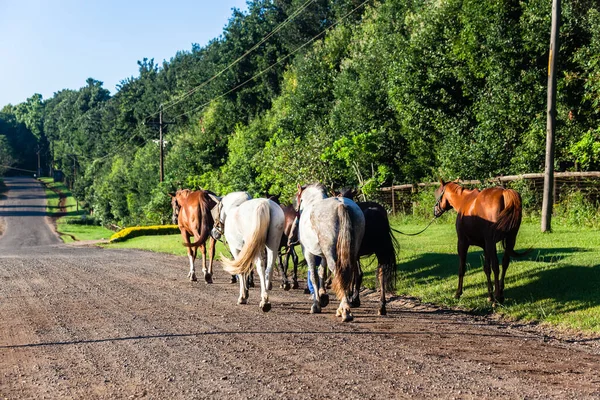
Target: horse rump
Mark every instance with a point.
(346, 267)
(253, 246)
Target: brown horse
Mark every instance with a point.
(288, 242)
(380, 241)
(192, 213)
(484, 218)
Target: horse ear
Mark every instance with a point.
(442, 182)
(299, 188)
(456, 180)
(171, 194)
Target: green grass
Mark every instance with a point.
(171, 244)
(558, 282)
(66, 230)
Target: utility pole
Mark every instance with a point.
(39, 169)
(548, 199)
(160, 143)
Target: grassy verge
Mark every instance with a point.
(69, 231)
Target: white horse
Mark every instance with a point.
(333, 229)
(251, 227)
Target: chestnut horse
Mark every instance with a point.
(484, 218)
(192, 213)
(379, 240)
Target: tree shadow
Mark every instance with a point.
(444, 265)
(570, 287)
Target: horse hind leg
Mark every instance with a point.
(211, 257)
(292, 252)
(263, 275)
(323, 296)
(463, 249)
(509, 246)
(491, 265)
(205, 270)
(285, 284)
(382, 302)
(354, 300)
(311, 261)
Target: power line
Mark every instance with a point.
(264, 39)
(276, 63)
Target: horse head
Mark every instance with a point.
(441, 204)
(176, 207)
(349, 193)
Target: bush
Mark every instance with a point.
(135, 231)
(576, 208)
(82, 220)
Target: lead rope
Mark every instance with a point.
(418, 233)
(437, 203)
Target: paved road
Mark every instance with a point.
(24, 212)
(85, 323)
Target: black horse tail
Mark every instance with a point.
(388, 257)
(516, 254)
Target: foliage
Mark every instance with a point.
(397, 91)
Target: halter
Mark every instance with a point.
(175, 218)
(218, 226)
(437, 207)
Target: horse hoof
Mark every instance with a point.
(338, 312)
(500, 299)
(295, 285)
(315, 309)
(192, 277)
(354, 303)
(242, 301)
(270, 286)
(208, 278)
(233, 279)
(382, 311)
(457, 296)
(265, 307)
(306, 291)
(286, 286)
(490, 299)
(324, 300)
(347, 317)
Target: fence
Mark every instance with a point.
(400, 198)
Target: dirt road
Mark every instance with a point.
(88, 323)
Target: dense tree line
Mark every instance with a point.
(344, 93)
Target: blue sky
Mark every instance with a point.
(49, 45)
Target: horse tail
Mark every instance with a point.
(346, 266)
(254, 244)
(390, 248)
(204, 220)
(509, 219)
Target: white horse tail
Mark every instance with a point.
(254, 245)
(346, 267)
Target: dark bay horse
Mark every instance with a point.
(484, 218)
(192, 213)
(378, 240)
(288, 242)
